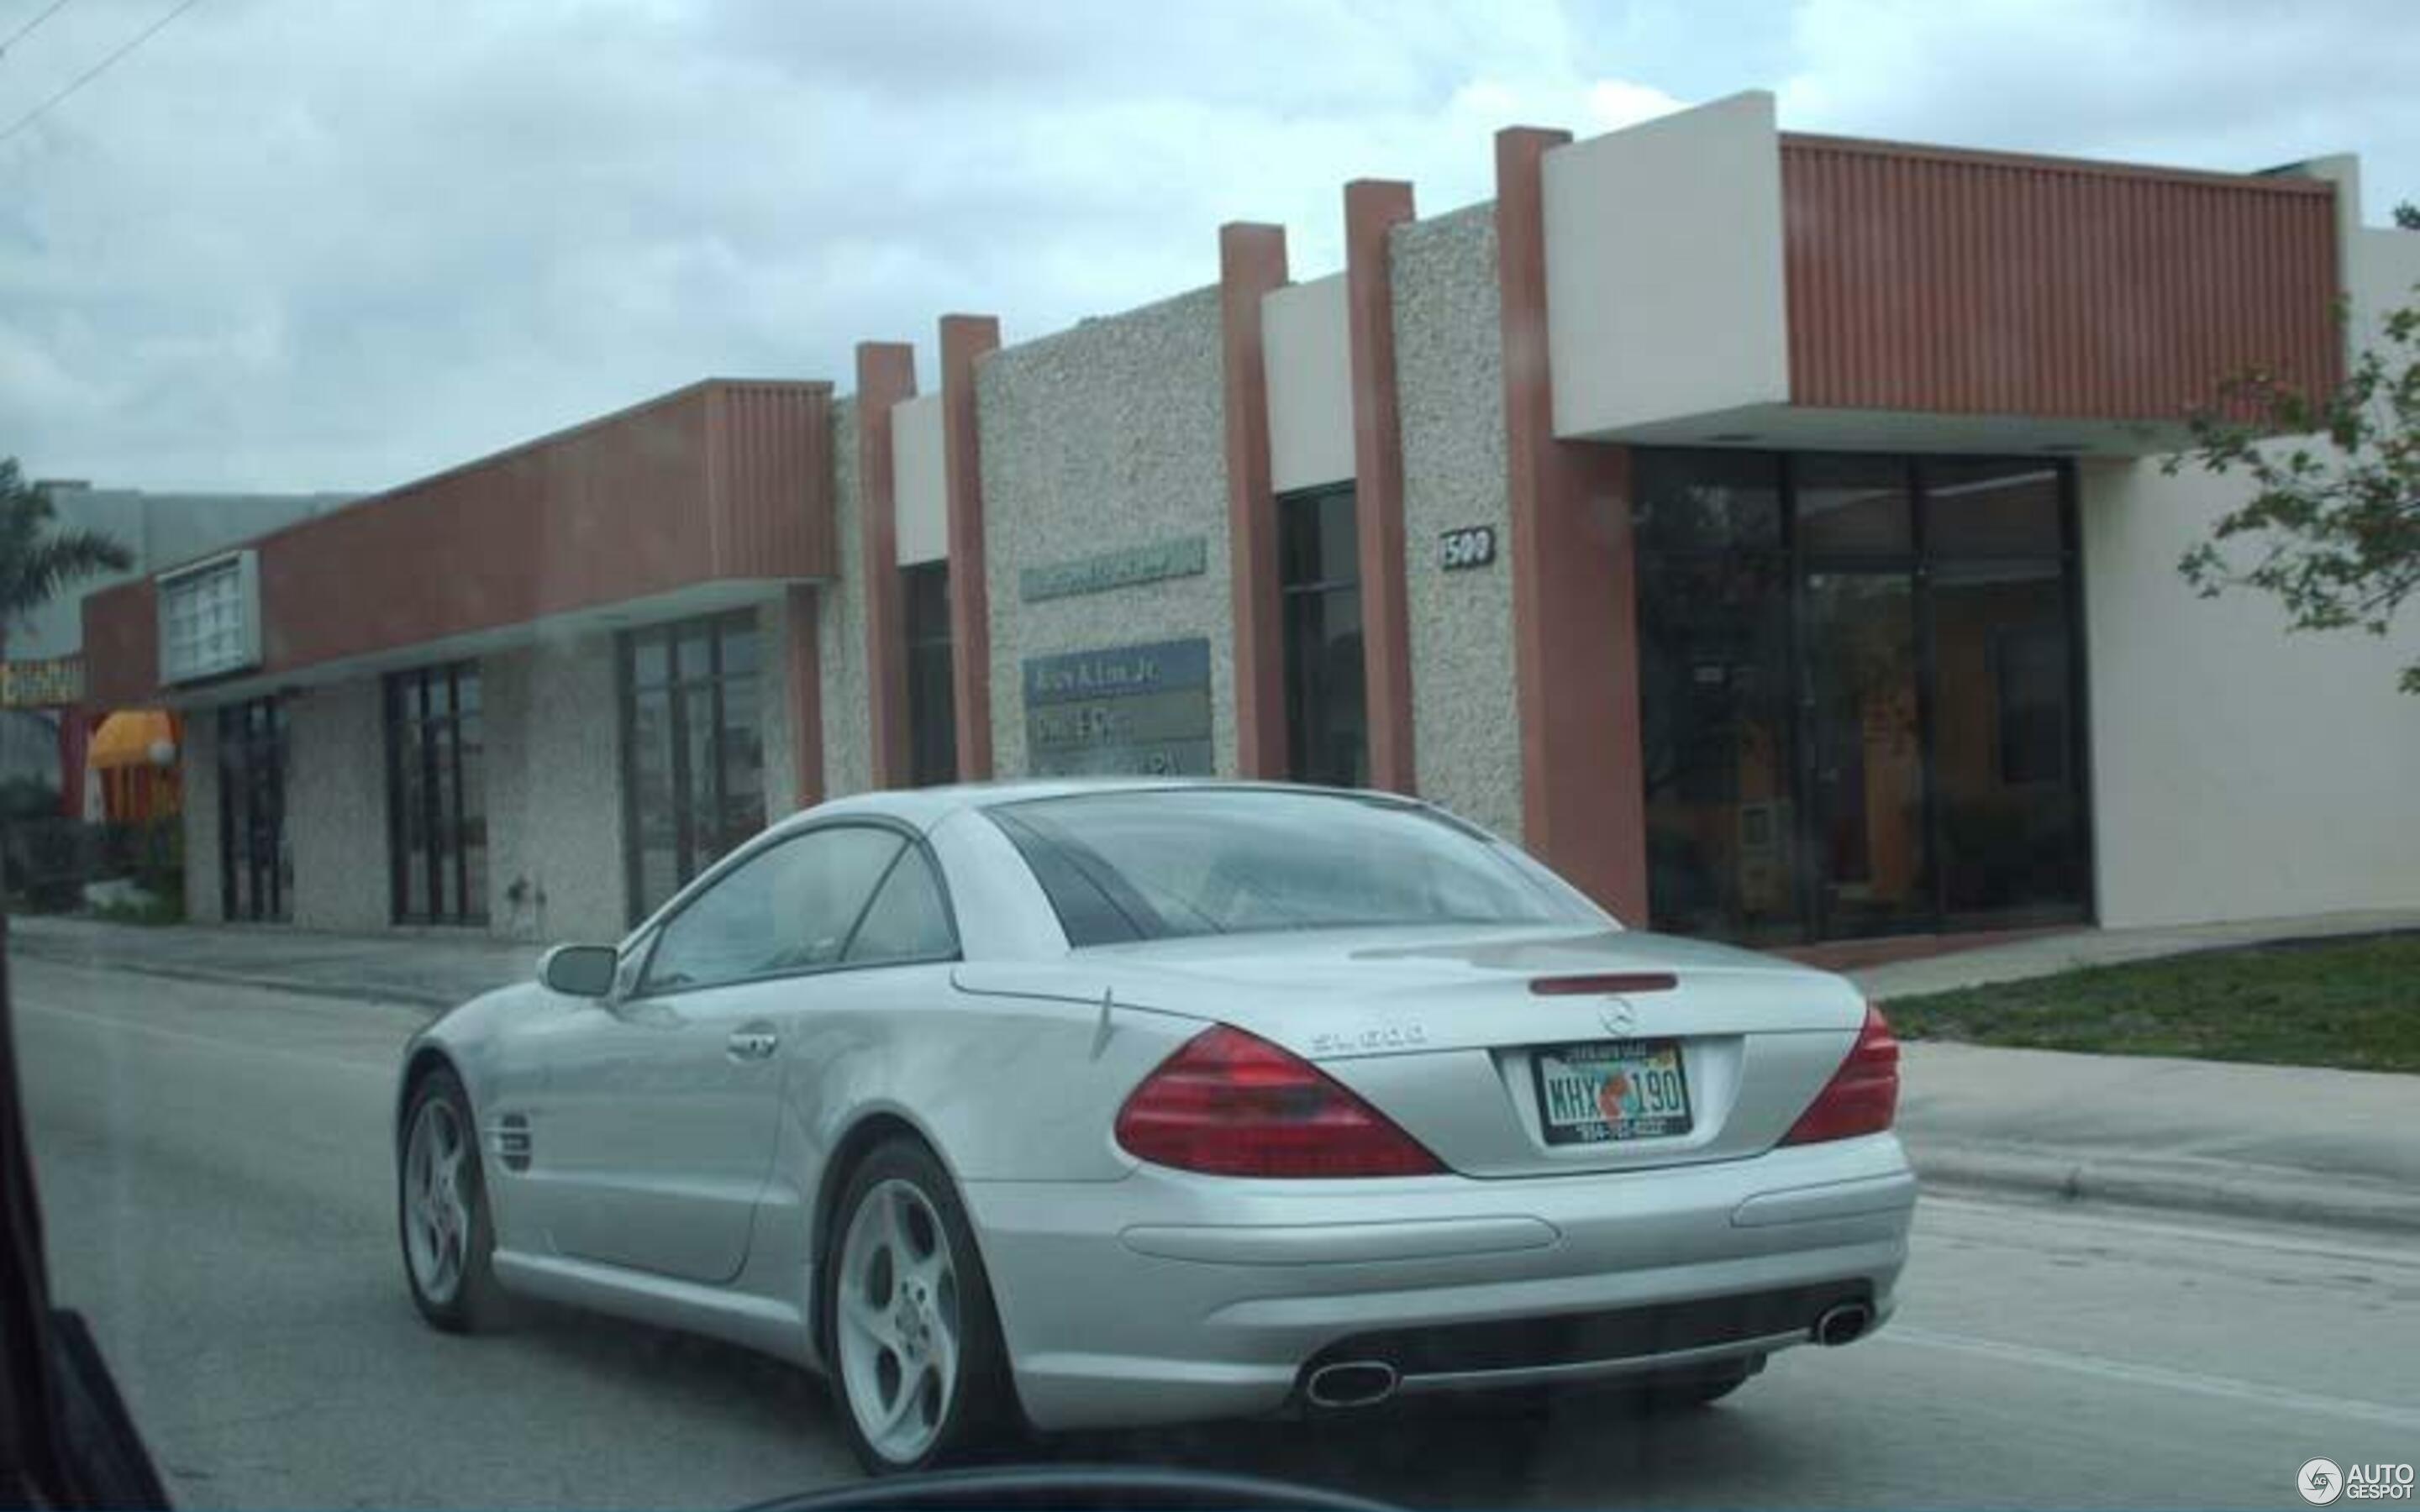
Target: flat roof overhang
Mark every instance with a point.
(711, 496)
(1807, 427)
(1712, 278)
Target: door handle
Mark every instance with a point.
(755, 1044)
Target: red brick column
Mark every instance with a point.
(1583, 806)
(886, 374)
(1252, 262)
(1374, 208)
(966, 338)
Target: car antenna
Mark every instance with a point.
(1101, 1030)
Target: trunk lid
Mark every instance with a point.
(1444, 1031)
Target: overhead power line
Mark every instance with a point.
(22, 32)
(98, 69)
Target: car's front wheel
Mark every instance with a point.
(914, 1344)
(442, 1207)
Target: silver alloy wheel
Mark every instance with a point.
(897, 1312)
(435, 1200)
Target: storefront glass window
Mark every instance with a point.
(1860, 686)
(1319, 575)
(437, 809)
(255, 859)
(931, 700)
(693, 749)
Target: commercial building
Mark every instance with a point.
(1769, 530)
(46, 723)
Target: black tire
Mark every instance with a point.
(981, 1416)
(473, 1302)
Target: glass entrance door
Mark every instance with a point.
(1861, 693)
(1870, 862)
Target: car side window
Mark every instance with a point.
(788, 908)
(908, 919)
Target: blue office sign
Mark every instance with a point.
(1125, 711)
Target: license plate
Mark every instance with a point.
(1610, 1090)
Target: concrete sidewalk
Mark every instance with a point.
(2279, 1143)
(2047, 955)
(2293, 1144)
(432, 969)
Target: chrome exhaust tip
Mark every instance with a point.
(1843, 1323)
(1351, 1383)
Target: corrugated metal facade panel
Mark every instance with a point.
(614, 509)
(717, 481)
(771, 480)
(1966, 283)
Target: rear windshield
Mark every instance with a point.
(1165, 865)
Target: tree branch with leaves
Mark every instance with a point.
(37, 558)
(2331, 529)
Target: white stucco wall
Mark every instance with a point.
(1307, 349)
(1663, 269)
(918, 476)
(335, 807)
(1107, 436)
(2240, 771)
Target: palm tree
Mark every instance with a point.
(36, 561)
(37, 558)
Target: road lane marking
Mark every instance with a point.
(153, 1031)
(2224, 1388)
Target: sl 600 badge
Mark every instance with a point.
(1385, 1037)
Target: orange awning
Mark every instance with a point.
(128, 738)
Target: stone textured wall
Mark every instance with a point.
(1098, 439)
(335, 807)
(840, 627)
(505, 696)
(200, 767)
(570, 794)
(1449, 362)
(773, 709)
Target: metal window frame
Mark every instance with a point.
(254, 730)
(1300, 688)
(944, 642)
(1814, 924)
(680, 692)
(439, 773)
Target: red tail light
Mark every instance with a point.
(1862, 1097)
(1230, 1104)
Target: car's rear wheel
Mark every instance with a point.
(442, 1208)
(918, 1366)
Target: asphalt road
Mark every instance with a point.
(214, 1163)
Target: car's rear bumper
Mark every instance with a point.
(1168, 1297)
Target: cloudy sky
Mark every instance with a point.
(337, 243)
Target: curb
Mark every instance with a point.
(2265, 1193)
(376, 994)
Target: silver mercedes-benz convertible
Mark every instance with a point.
(1066, 1104)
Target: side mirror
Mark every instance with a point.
(581, 970)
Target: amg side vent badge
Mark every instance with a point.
(513, 1141)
